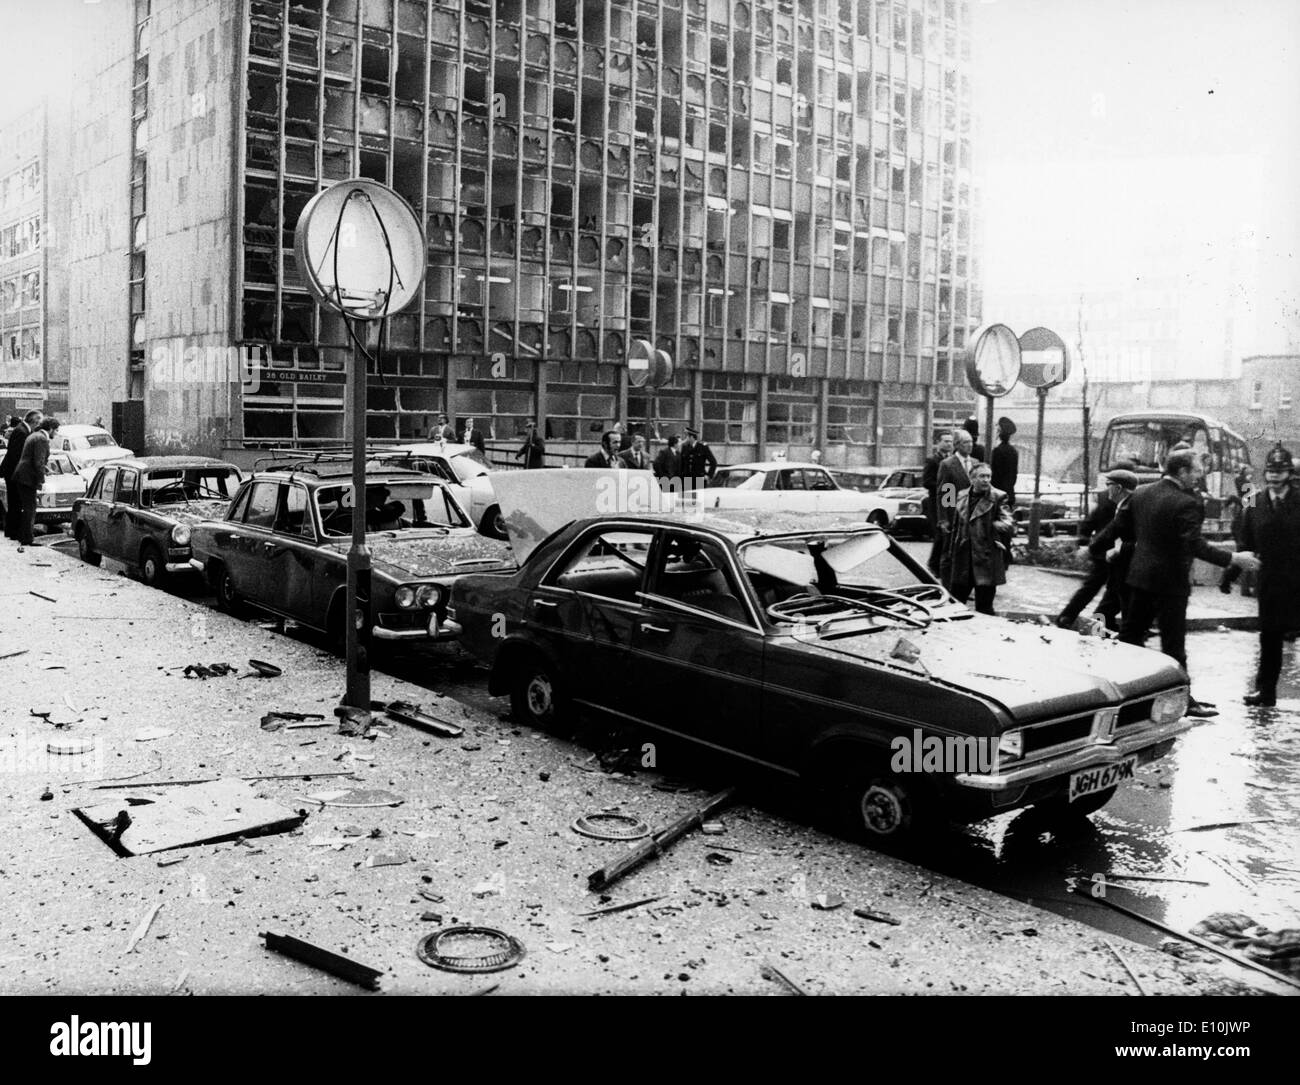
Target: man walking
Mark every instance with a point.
(13, 454)
(930, 480)
(698, 461)
(1120, 485)
(1271, 530)
(1005, 461)
(29, 477)
(668, 463)
(978, 542)
(534, 448)
(635, 457)
(1163, 522)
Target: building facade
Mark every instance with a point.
(778, 194)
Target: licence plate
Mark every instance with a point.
(1090, 781)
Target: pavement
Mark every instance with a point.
(481, 836)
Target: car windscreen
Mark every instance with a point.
(96, 440)
(391, 505)
(60, 465)
(858, 559)
(736, 478)
(470, 465)
(179, 486)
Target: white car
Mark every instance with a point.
(89, 447)
(463, 468)
(64, 484)
(792, 487)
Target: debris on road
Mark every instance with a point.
(415, 716)
(1231, 869)
(608, 825)
(1127, 877)
(38, 595)
(149, 734)
(262, 670)
(1125, 965)
(879, 917)
(387, 858)
(1218, 825)
(11, 655)
(357, 798)
(828, 901)
(353, 722)
(203, 814)
(273, 721)
(771, 972)
(211, 670)
(69, 747)
(608, 875)
(611, 909)
(333, 963)
(497, 950)
(142, 928)
(715, 858)
(47, 795)
(713, 828)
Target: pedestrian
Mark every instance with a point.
(605, 457)
(534, 448)
(1236, 507)
(930, 480)
(1118, 556)
(623, 441)
(974, 558)
(1271, 531)
(1005, 461)
(697, 461)
(953, 477)
(29, 477)
(816, 455)
(13, 454)
(442, 430)
(972, 426)
(668, 464)
(636, 457)
(1119, 486)
(472, 436)
(1163, 522)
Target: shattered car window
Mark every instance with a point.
(390, 506)
(176, 487)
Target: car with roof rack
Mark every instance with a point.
(784, 486)
(817, 650)
(140, 510)
(282, 548)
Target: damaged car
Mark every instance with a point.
(817, 651)
(282, 548)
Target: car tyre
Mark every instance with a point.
(879, 519)
(86, 548)
(537, 696)
(493, 524)
(153, 567)
(884, 809)
(228, 599)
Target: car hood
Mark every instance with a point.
(902, 493)
(422, 554)
(1035, 672)
(195, 511)
(65, 484)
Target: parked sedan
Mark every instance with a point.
(89, 446)
(904, 485)
(141, 510)
(819, 652)
(63, 485)
(283, 548)
(781, 486)
(465, 471)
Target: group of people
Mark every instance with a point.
(684, 463)
(26, 453)
(969, 503)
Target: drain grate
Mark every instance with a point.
(607, 826)
(451, 949)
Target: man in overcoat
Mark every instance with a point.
(979, 539)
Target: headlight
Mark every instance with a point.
(429, 595)
(404, 597)
(1011, 745)
(1169, 706)
(910, 507)
(48, 500)
(181, 535)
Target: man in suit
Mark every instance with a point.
(621, 441)
(1271, 530)
(1120, 485)
(953, 477)
(534, 448)
(29, 477)
(930, 480)
(972, 426)
(13, 453)
(1163, 522)
(635, 457)
(606, 457)
(668, 463)
(472, 436)
(442, 430)
(1005, 461)
(698, 461)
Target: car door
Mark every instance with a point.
(699, 647)
(289, 559)
(96, 505)
(120, 529)
(238, 542)
(585, 610)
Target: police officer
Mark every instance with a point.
(1271, 530)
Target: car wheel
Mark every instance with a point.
(493, 524)
(228, 599)
(1064, 810)
(881, 808)
(86, 548)
(153, 569)
(878, 518)
(537, 696)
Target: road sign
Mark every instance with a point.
(1044, 358)
(993, 361)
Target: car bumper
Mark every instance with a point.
(1146, 744)
(910, 521)
(438, 629)
(53, 515)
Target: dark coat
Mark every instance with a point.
(476, 439)
(1274, 535)
(950, 481)
(930, 480)
(978, 541)
(533, 452)
(1163, 521)
(668, 464)
(599, 459)
(14, 450)
(1006, 469)
(31, 465)
(1097, 521)
(698, 462)
(628, 459)
(1102, 531)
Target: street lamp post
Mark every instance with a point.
(361, 249)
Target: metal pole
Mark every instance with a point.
(358, 590)
(988, 429)
(1036, 506)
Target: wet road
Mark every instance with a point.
(1237, 770)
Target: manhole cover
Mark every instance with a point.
(611, 827)
(470, 949)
